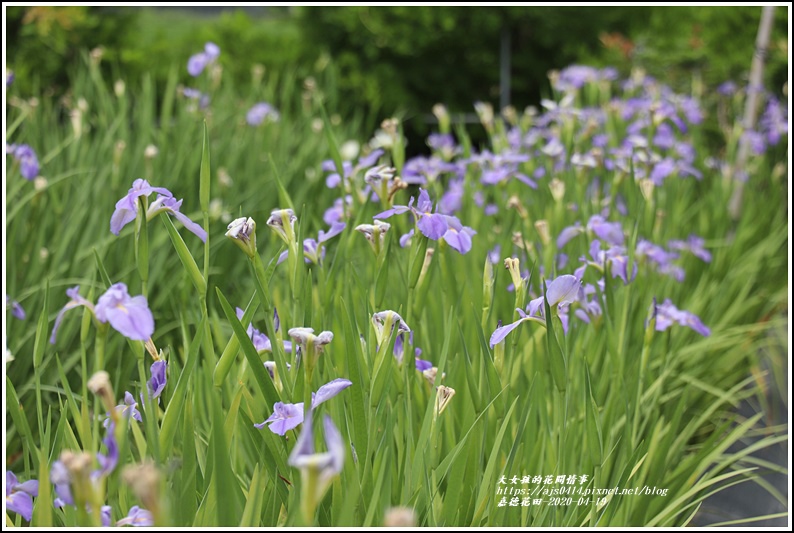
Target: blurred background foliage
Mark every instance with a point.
(399, 60)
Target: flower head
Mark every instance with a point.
(137, 517)
(375, 234)
(156, 385)
(26, 157)
(170, 205)
(19, 495)
(243, 232)
(384, 323)
(127, 207)
(17, 311)
(75, 301)
(261, 112)
(128, 315)
(668, 314)
(282, 221)
(198, 62)
(288, 416)
(318, 470)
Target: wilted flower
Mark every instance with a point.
(144, 480)
(309, 342)
(287, 416)
(19, 495)
(443, 396)
(400, 517)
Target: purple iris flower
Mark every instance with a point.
(26, 157)
(195, 94)
(9, 77)
(19, 496)
(313, 250)
(665, 137)
(106, 512)
(661, 170)
(434, 225)
(261, 112)
(336, 213)
(774, 122)
(128, 315)
(611, 232)
(198, 62)
(569, 233)
(288, 416)
(75, 301)
(260, 340)
(589, 308)
(564, 290)
(157, 383)
(727, 88)
(137, 517)
(694, 245)
(668, 314)
(108, 462)
(61, 480)
(127, 207)
(661, 257)
(366, 161)
(318, 469)
(170, 205)
(17, 311)
(399, 350)
(127, 409)
(615, 257)
(405, 240)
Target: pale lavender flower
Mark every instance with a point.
(75, 301)
(107, 463)
(194, 94)
(156, 385)
(19, 496)
(128, 409)
(313, 250)
(336, 213)
(318, 470)
(399, 350)
(561, 292)
(611, 232)
(26, 157)
(61, 480)
(127, 207)
(198, 62)
(458, 236)
(727, 88)
(170, 205)
(668, 314)
(107, 516)
(695, 245)
(137, 517)
(260, 340)
(128, 315)
(261, 112)
(569, 233)
(405, 240)
(287, 416)
(17, 311)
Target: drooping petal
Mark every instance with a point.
(329, 390)
(191, 226)
(284, 418)
(20, 503)
(563, 290)
(396, 210)
(501, 332)
(433, 226)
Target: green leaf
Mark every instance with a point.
(185, 257)
(204, 174)
(174, 409)
(41, 331)
(233, 346)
